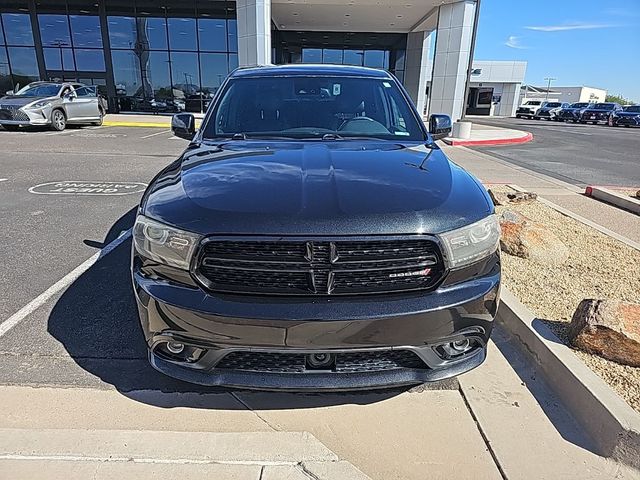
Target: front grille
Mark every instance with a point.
(354, 362)
(319, 267)
(12, 112)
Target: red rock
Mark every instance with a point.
(608, 328)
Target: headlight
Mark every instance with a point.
(471, 243)
(163, 243)
(40, 104)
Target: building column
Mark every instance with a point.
(417, 67)
(451, 61)
(254, 32)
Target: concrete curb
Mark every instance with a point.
(613, 425)
(117, 123)
(527, 137)
(613, 198)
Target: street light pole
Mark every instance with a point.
(549, 80)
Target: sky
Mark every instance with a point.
(595, 43)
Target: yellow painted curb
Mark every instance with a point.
(139, 124)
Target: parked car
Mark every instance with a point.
(572, 113)
(629, 116)
(314, 236)
(600, 112)
(549, 110)
(528, 109)
(52, 104)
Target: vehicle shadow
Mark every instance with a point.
(96, 320)
(531, 377)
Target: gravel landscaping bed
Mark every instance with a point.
(598, 267)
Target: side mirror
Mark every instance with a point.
(70, 96)
(9, 92)
(439, 126)
(183, 125)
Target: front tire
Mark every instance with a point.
(58, 120)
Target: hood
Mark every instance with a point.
(597, 110)
(321, 188)
(21, 101)
(622, 113)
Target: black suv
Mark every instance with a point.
(313, 236)
(600, 112)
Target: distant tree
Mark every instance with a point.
(618, 99)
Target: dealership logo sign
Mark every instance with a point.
(85, 187)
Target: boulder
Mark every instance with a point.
(638, 194)
(522, 237)
(505, 198)
(608, 328)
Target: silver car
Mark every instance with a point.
(53, 104)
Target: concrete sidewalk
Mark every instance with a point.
(490, 135)
(490, 170)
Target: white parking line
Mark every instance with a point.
(61, 284)
(3, 179)
(157, 133)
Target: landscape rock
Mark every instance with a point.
(505, 198)
(525, 238)
(608, 328)
(638, 194)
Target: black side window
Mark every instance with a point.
(85, 92)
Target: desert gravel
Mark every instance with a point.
(598, 267)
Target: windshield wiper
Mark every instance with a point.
(332, 136)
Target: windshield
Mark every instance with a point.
(553, 104)
(579, 105)
(47, 90)
(532, 103)
(632, 108)
(313, 107)
(603, 106)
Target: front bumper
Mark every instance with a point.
(627, 121)
(26, 117)
(217, 325)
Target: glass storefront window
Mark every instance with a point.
(56, 58)
(311, 55)
(86, 31)
(214, 69)
(122, 32)
(90, 60)
(374, 58)
(233, 61)
(17, 29)
(155, 75)
(353, 57)
(330, 55)
(152, 33)
(5, 77)
(24, 66)
(54, 30)
(212, 34)
(126, 73)
(182, 33)
(184, 74)
(232, 34)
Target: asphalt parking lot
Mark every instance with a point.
(49, 232)
(575, 153)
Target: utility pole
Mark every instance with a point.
(549, 80)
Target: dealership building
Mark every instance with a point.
(172, 55)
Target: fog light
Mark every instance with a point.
(456, 349)
(175, 347)
(320, 360)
